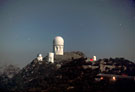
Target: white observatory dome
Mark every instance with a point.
(58, 40)
(39, 55)
(58, 45)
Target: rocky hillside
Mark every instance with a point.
(117, 66)
(37, 74)
(6, 74)
(66, 75)
(42, 76)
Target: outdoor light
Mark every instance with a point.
(114, 78)
(101, 78)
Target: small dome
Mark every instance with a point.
(39, 55)
(58, 40)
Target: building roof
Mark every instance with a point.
(58, 40)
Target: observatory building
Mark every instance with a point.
(39, 57)
(51, 57)
(58, 45)
(94, 58)
(58, 48)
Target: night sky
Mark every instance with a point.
(105, 28)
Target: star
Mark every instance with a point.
(120, 24)
(134, 18)
(28, 39)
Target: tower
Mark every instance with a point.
(39, 57)
(94, 58)
(51, 57)
(58, 45)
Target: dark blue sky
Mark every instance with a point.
(104, 28)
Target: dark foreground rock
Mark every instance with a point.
(64, 76)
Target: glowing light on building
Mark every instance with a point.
(114, 78)
(101, 78)
(91, 59)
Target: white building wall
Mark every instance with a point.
(51, 57)
(58, 50)
(94, 58)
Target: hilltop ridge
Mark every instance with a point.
(72, 73)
